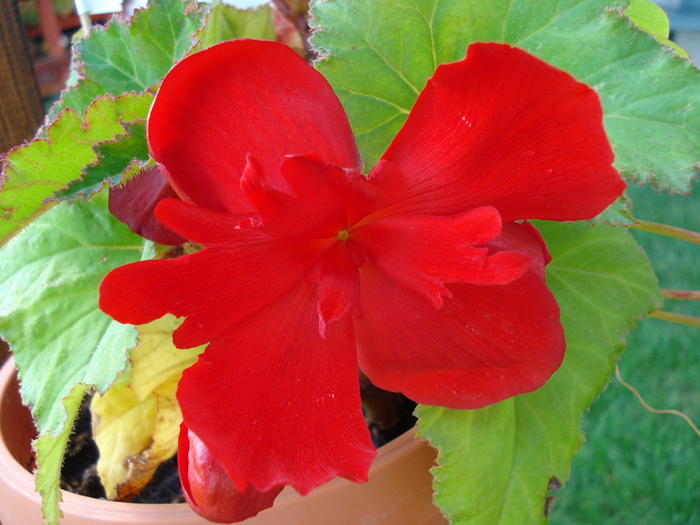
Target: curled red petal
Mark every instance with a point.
(423, 252)
(209, 490)
(502, 128)
(277, 404)
(309, 208)
(338, 285)
(366, 198)
(242, 270)
(134, 204)
(238, 98)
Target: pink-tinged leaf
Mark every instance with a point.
(423, 253)
(502, 128)
(135, 201)
(240, 271)
(277, 404)
(485, 344)
(208, 488)
(238, 98)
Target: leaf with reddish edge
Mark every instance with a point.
(294, 414)
(62, 157)
(505, 124)
(114, 158)
(134, 203)
(281, 107)
(208, 488)
(512, 343)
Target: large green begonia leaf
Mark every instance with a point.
(495, 464)
(62, 343)
(378, 56)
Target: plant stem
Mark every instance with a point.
(669, 231)
(676, 318)
(654, 410)
(682, 295)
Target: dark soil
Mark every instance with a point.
(388, 415)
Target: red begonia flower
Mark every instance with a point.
(426, 273)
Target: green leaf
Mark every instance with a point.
(649, 17)
(49, 456)
(226, 23)
(378, 56)
(35, 171)
(129, 151)
(49, 277)
(618, 213)
(495, 464)
(133, 55)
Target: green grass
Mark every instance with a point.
(638, 467)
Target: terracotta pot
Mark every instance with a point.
(399, 490)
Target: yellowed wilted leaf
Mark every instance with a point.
(138, 419)
(123, 426)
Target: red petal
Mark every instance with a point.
(277, 404)
(366, 198)
(236, 98)
(135, 201)
(241, 271)
(311, 208)
(502, 128)
(339, 285)
(486, 344)
(423, 252)
(209, 490)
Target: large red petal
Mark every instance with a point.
(502, 128)
(241, 271)
(277, 404)
(486, 343)
(209, 490)
(236, 98)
